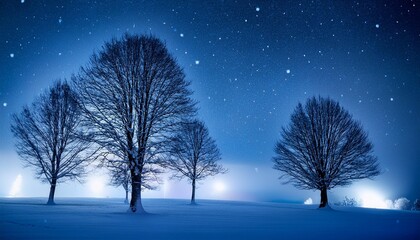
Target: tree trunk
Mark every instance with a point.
(135, 203)
(324, 198)
(193, 193)
(126, 197)
(52, 192)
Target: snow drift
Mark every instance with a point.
(72, 218)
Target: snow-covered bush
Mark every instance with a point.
(402, 204)
(308, 201)
(348, 202)
(398, 204)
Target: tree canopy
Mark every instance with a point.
(133, 95)
(324, 147)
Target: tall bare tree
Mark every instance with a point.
(49, 138)
(193, 154)
(323, 147)
(134, 94)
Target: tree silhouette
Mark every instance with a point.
(134, 94)
(119, 172)
(120, 175)
(193, 154)
(49, 138)
(323, 147)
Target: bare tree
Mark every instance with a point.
(134, 94)
(193, 154)
(49, 138)
(120, 176)
(323, 147)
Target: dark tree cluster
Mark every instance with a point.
(130, 100)
(131, 108)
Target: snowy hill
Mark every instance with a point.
(83, 218)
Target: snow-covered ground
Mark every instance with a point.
(83, 218)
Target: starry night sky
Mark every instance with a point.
(250, 63)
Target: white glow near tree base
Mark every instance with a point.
(373, 199)
(16, 186)
(308, 201)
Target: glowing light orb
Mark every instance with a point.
(372, 199)
(16, 186)
(96, 186)
(165, 188)
(219, 187)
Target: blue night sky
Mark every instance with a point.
(250, 63)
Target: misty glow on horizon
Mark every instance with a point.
(368, 197)
(16, 187)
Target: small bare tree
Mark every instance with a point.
(193, 154)
(49, 138)
(323, 147)
(120, 176)
(134, 94)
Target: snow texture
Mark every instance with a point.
(72, 218)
